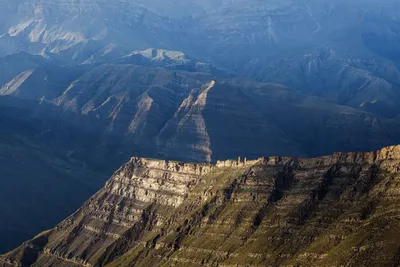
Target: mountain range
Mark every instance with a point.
(165, 104)
(346, 51)
(87, 84)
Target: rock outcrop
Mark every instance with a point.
(326, 211)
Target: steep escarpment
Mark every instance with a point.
(163, 104)
(325, 211)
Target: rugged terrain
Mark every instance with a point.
(345, 51)
(87, 84)
(62, 125)
(164, 104)
(328, 211)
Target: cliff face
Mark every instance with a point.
(163, 104)
(326, 211)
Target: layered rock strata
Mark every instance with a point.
(327, 211)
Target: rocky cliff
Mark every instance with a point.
(164, 104)
(326, 211)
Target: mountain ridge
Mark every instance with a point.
(267, 39)
(120, 100)
(168, 212)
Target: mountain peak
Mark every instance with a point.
(161, 55)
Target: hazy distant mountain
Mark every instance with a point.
(275, 41)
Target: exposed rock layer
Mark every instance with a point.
(153, 104)
(326, 211)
